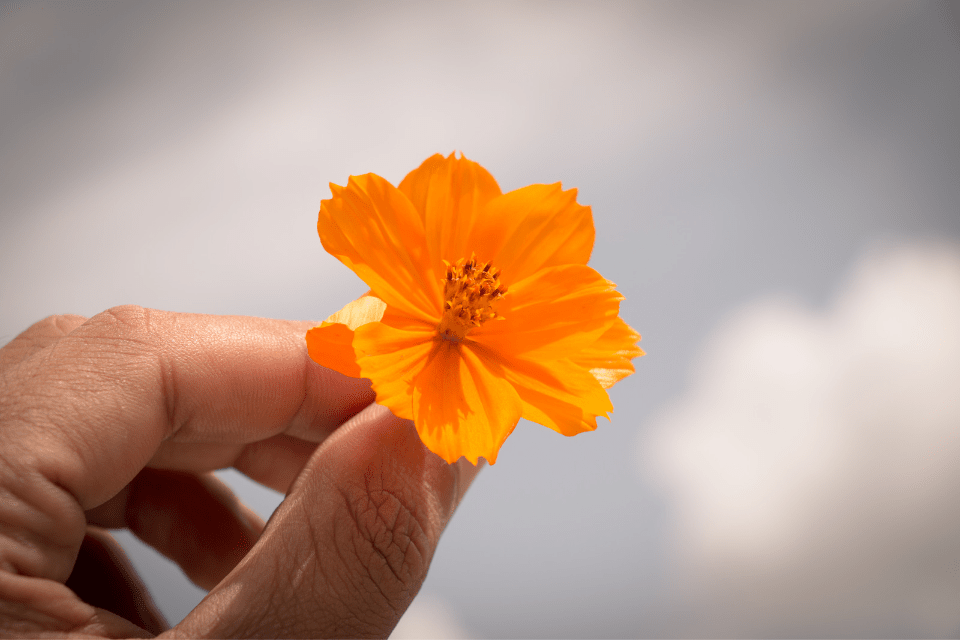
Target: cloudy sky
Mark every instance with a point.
(813, 463)
(776, 190)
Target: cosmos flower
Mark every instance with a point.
(481, 309)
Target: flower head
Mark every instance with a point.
(481, 309)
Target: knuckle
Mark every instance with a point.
(61, 323)
(123, 324)
(124, 317)
(66, 322)
(48, 325)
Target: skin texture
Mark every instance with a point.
(117, 421)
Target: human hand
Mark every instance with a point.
(117, 421)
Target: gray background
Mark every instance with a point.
(788, 170)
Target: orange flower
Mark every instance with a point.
(481, 308)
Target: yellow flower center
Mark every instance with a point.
(470, 291)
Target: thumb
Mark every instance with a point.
(349, 548)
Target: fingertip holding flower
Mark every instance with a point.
(481, 308)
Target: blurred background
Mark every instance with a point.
(776, 190)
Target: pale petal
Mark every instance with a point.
(364, 309)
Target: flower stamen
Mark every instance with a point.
(470, 291)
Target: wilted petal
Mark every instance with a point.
(366, 308)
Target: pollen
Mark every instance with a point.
(471, 290)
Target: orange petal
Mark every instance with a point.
(449, 193)
(551, 315)
(562, 395)
(608, 359)
(462, 405)
(331, 344)
(374, 229)
(532, 228)
(391, 358)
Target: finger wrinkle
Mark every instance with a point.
(170, 395)
(41, 524)
(308, 411)
(377, 535)
(387, 537)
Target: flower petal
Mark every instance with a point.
(391, 358)
(609, 358)
(374, 229)
(556, 312)
(366, 308)
(532, 228)
(562, 395)
(331, 344)
(449, 193)
(462, 405)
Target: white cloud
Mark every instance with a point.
(814, 463)
(429, 617)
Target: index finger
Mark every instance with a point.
(89, 412)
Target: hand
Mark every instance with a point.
(117, 421)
